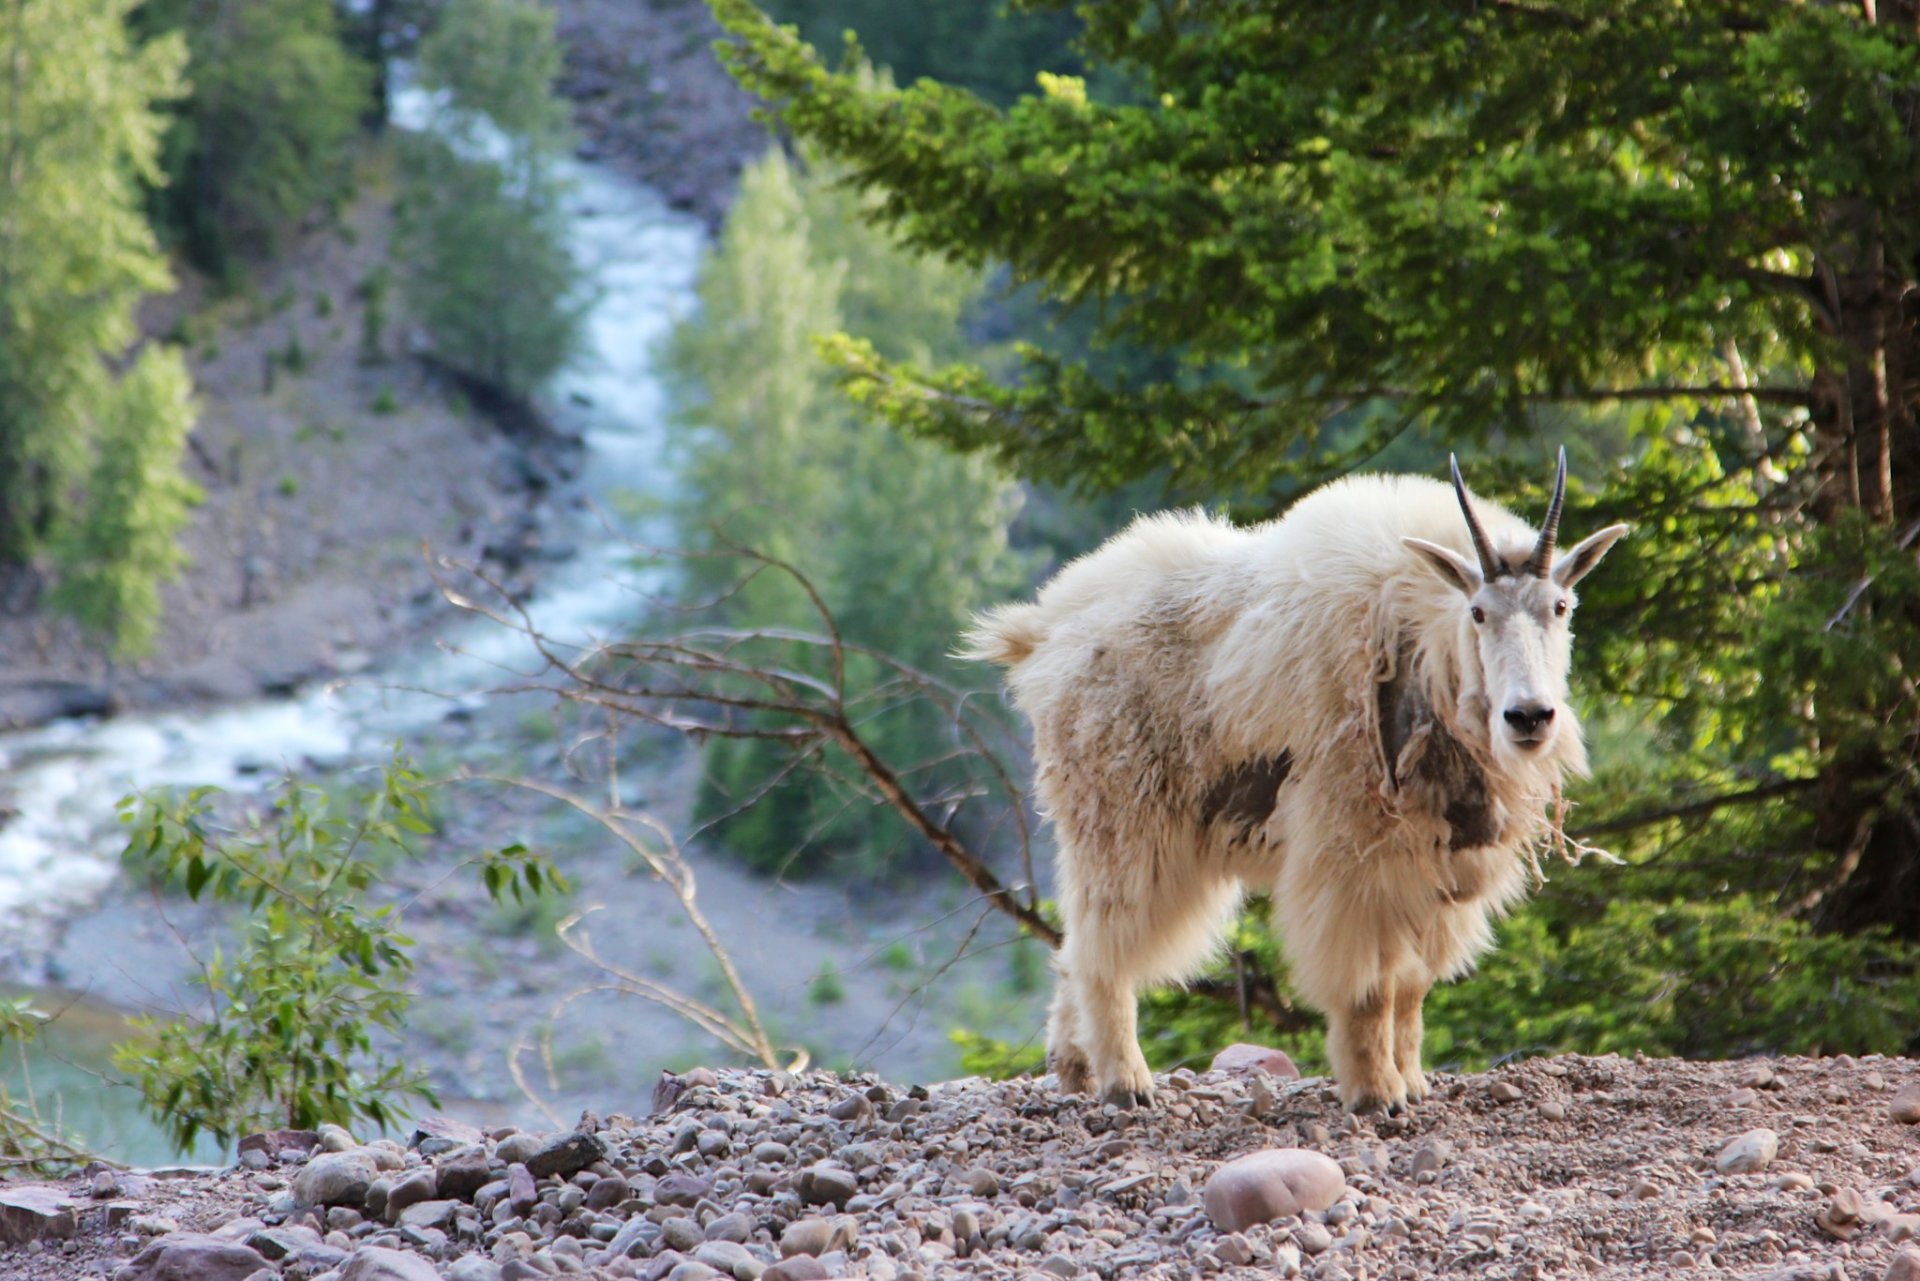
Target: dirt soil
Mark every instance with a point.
(1567, 1167)
(324, 471)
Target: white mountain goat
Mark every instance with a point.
(1360, 708)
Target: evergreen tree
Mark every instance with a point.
(91, 431)
(901, 538)
(1683, 234)
(490, 272)
(266, 135)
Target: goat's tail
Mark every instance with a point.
(1007, 634)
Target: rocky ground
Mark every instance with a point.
(1798, 1169)
(654, 102)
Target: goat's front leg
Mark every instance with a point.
(1360, 1045)
(1109, 1033)
(1409, 1030)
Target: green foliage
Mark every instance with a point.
(298, 1019)
(489, 271)
(90, 432)
(1334, 236)
(988, 46)
(26, 1139)
(827, 987)
(266, 136)
(114, 557)
(900, 539)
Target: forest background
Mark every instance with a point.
(1006, 277)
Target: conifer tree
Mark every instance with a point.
(1685, 235)
(91, 428)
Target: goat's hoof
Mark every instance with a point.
(1129, 1097)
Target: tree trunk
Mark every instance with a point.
(1868, 461)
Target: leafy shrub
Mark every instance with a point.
(289, 1037)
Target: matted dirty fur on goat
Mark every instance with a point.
(1359, 708)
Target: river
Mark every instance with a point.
(60, 845)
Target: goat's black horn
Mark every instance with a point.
(1540, 564)
(1491, 566)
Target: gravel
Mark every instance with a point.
(1012, 1180)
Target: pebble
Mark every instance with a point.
(1504, 1092)
(1904, 1267)
(1905, 1107)
(1313, 1238)
(1271, 1184)
(1749, 1153)
(1554, 1110)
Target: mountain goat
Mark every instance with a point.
(1360, 708)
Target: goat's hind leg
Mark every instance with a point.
(1118, 942)
(1065, 1057)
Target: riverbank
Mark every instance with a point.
(330, 455)
(1789, 1169)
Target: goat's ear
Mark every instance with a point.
(1574, 564)
(1449, 564)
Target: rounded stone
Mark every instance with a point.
(1749, 1153)
(335, 1178)
(1905, 1107)
(1242, 1057)
(1271, 1184)
(806, 1236)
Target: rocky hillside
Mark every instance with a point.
(1583, 1167)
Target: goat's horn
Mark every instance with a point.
(1491, 566)
(1541, 562)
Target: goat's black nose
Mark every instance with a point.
(1529, 718)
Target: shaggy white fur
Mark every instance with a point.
(1317, 707)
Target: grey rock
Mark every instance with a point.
(607, 1193)
(375, 1204)
(1905, 1266)
(420, 1185)
(1271, 1184)
(377, 1263)
(273, 1145)
(35, 1211)
(434, 1135)
(828, 1185)
(806, 1236)
(474, 1267)
(192, 1256)
(335, 1178)
(726, 1256)
(427, 1214)
(682, 1234)
(681, 1189)
(521, 1194)
(1749, 1153)
(731, 1227)
(693, 1270)
(334, 1138)
(566, 1155)
(1905, 1107)
(516, 1148)
(280, 1242)
(462, 1174)
(1432, 1156)
(801, 1267)
(983, 1182)
(1313, 1238)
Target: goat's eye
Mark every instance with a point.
(1479, 615)
(1560, 608)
